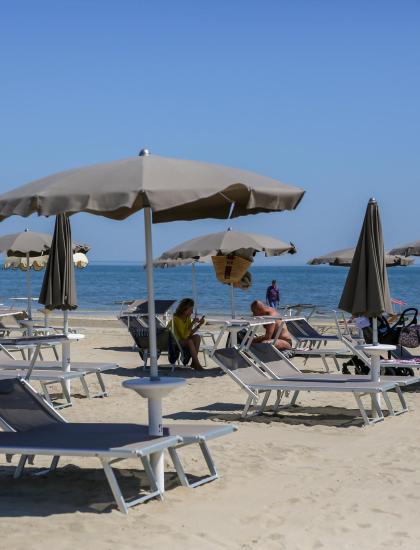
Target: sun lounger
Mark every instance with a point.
(256, 383)
(84, 368)
(277, 366)
(37, 429)
(304, 333)
(46, 379)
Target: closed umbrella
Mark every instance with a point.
(243, 244)
(409, 249)
(366, 291)
(59, 285)
(344, 258)
(168, 190)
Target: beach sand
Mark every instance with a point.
(308, 478)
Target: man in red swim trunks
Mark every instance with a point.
(284, 341)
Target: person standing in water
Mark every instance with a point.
(272, 295)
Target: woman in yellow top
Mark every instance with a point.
(185, 328)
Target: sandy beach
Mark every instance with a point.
(310, 477)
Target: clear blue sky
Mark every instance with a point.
(321, 94)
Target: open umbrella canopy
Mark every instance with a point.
(227, 242)
(59, 286)
(174, 189)
(344, 258)
(366, 291)
(24, 243)
(409, 249)
(38, 263)
(32, 243)
(163, 263)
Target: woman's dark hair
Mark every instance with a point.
(183, 305)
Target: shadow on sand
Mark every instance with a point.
(68, 490)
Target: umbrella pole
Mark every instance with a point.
(65, 349)
(232, 301)
(154, 403)
(194, 288)
(28, 286)
(375, 363)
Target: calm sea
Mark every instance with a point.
(99, 286)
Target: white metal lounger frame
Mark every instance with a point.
(250, 356)
(182, 441)
(107, 458)
(282, 387)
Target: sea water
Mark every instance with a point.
(99, 286)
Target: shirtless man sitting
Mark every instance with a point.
(284, 340)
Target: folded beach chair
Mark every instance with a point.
(35, 428)
(278, 366)
(82, 368)
(256, 383)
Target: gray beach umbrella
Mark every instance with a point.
(344, 258)
(25, 243)
(409, 249)
(31, 244)
(366, 291)
(243, 244)
(168, 190)
(174, 189)
(227, 242)
(59, 285)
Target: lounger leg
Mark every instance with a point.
(252, 400)
(379, 414)
(402, 400)
(46, 394)
(337, 365)
(178, 467)
(101, 383)
(181, 472)
(20, 467)
(388, 403)
(54, 463)
(154, 489)
(66, 393)
(54, 348)
(115, 488)
(40, 355)
(294, 398)
(263, 405)
(324, 360)
(277, 401)
(85, 386)
(362, 409)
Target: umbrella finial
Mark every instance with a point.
(372, 200)
(144, 153)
